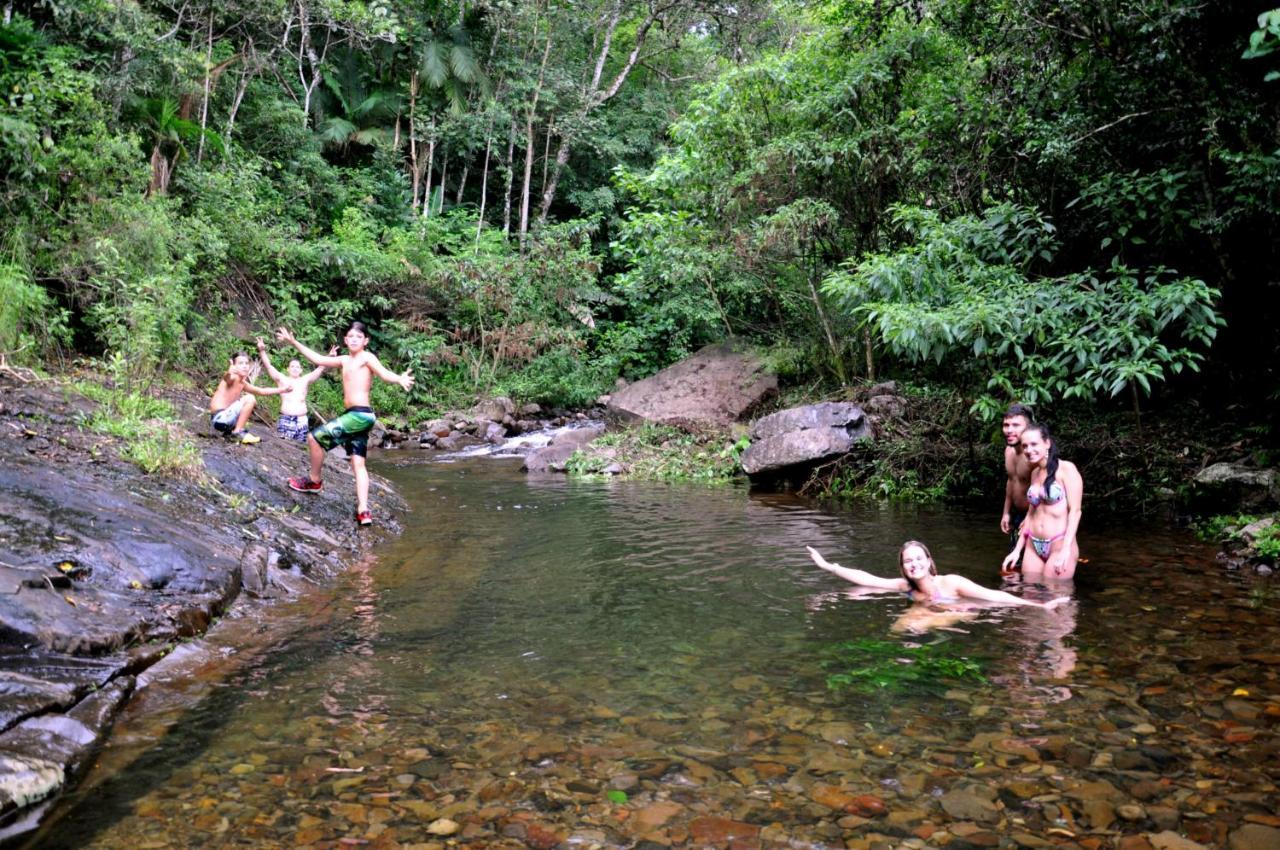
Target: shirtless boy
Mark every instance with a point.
(1017, 470)
(292, 424)
(351, 429)
(229, 409)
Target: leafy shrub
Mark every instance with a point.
(962, 292)
(30, 324)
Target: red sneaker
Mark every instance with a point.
(364, 518)
(305, 485)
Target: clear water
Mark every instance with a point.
(540, 660)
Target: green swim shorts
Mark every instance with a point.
(350, 430)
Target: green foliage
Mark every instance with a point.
(166, 452)
(867, 666)
(882, 479)
(962, 292)
(30, 324)
(1265, 40)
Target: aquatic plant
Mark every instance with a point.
(867, 665)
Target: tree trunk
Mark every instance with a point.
(528, 176)
(546, 153)
(484, 184)
(444, 180)
(161, 171)
(836, 359)
(431, 158)
(462, 185)
(530, 115)
(415, 171)
(204, 100)
(593, 96)
(511, 178)
(549, 189)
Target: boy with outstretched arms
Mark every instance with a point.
(293, 424)
(1017, 470)
(230, 409)
(351, 429)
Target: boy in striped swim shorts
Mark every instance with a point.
(293, 423)
(351, 429)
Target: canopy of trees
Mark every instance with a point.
(1025, 199)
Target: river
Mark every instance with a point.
(542, 662)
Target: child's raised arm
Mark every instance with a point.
(310, 377)
(266, 361)
(253, 389)
(284, 335)
(405, 381)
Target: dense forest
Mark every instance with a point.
(1018, 199)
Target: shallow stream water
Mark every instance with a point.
(542, 662)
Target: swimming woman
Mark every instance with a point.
(1048, 541)
(920, 579)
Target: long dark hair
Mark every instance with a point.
(933, 567)
(1051, 468)
(357, 326)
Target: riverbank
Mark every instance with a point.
(118, 543)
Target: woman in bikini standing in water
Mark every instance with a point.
(1053, 511)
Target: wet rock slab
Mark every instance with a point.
(101, 567)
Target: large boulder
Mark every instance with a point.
(711, 389)
(1233, 487)
(802, 436)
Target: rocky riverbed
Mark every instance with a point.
(103, 568)
(559, 664)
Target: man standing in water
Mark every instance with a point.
(351, 429)
(1017, 471)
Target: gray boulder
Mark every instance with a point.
(494, 409)
(711, 389)
(803, 435)
(1232, 487)
(553, 456)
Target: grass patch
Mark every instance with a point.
(164, 452)
(661, 453)
(153, 438)
(867, 666)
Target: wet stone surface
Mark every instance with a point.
(561, 665)
(104, 568)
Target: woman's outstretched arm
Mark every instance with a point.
(964, 587)
(858, 577)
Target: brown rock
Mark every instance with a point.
(1254, 836)
(722, 832)
(655, 815)
(867, 806)
(1170, 840)
(1134, 842)
(543, 836)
